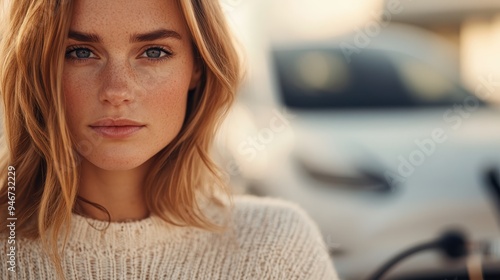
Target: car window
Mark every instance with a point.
(372, 79)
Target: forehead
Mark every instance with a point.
(127, 16)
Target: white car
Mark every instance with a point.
(380, 145)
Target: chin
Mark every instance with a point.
(117, 162)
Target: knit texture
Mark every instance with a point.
(267, 239)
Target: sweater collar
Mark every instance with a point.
(122, 235)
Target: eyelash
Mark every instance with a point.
(75, 48)
(168, 53)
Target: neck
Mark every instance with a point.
(120, 192)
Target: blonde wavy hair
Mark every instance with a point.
(37, 143)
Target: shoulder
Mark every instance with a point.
(284, 235)
(270, 213)
(284, 220)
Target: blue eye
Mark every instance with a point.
(153, 53)
(156, 53)
(79, 53)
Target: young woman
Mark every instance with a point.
(110, 108)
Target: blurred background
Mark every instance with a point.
(379, 118)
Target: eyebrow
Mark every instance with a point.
(155, 35)
(84, 37)
(135, 38)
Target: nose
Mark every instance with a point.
(117, 84)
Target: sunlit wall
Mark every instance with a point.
(480, 56)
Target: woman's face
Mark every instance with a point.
(128, 68)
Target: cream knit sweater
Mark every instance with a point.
(268, 239)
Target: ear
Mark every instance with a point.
(196, 75)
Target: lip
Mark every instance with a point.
(116, 128)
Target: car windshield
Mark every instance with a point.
(371, 79)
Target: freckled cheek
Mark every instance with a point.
(169, 104)
(77, 85)
(76, 98)
(151, 80)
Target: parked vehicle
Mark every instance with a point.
(381, 145)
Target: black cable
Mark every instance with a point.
(388, 265)
(452, 243)
(492, 183)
